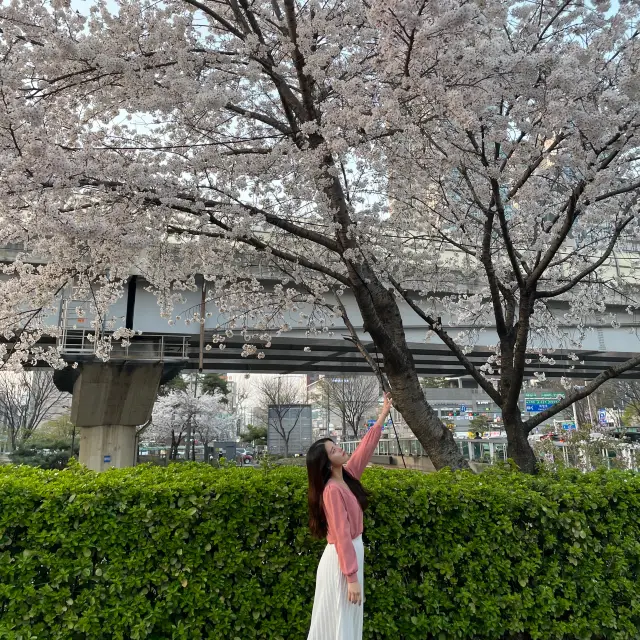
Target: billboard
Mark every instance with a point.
(290, 422)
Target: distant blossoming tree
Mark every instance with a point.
(180, 412)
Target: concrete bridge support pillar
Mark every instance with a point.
(109, 401)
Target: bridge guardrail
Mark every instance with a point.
(160, 348)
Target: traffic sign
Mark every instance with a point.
(463, 408)
(545, 395)
(569, 426)
(537, 402)
(602, 416)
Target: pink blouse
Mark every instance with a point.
(342, 509)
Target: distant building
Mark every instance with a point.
(292, 422)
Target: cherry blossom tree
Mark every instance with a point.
(387, 148)
(179, 412)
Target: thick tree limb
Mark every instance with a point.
(437, 328)
(607, 374)
(492, 279)
(504, 229)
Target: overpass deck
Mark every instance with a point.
(298, 354)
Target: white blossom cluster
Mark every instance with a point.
(206, 414)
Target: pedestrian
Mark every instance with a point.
(337, 500)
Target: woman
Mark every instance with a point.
(336, 502)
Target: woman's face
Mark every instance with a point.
(337, 456)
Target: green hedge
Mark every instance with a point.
(194, 552)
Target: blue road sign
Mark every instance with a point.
(107, 458)
(602, 416)
(535, 403)
(463, 408)
(538, 407)
(569, 426)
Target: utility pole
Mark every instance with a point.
(328, 410)
(344, 407)
(591, 415)
(193, 440)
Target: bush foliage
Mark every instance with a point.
(48, 452)
(190, 551)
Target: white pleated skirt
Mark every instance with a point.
(333, 616)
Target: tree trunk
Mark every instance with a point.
(519, 449)
(286, 447)
(382, 320)
(175, 443)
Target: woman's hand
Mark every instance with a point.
(354, 592)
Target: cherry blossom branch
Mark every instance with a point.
(571, 208)
(504, 228)
(355, 339)
(549, 24)
(607, 374)
(264, 247)
(260, 117)
(206, 9)
(582, 275)
(437, 328)
(529, 171)
(616, 192)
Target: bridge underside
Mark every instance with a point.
(333, 355)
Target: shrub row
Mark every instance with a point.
(191, 552)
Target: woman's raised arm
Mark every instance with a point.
(362, 455)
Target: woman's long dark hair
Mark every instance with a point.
(319, 472)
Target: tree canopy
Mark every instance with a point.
(473, 162)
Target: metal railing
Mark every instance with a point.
(157, 348)
(482, 450)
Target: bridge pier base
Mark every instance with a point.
(108, 446)
(109, 401)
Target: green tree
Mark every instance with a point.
(255, 435)
(212, 382)
(630, 416)
(480, 423)
(58, 428)
(47, 452)
(434, 383)
(175, 384)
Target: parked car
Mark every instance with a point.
(244, 455)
